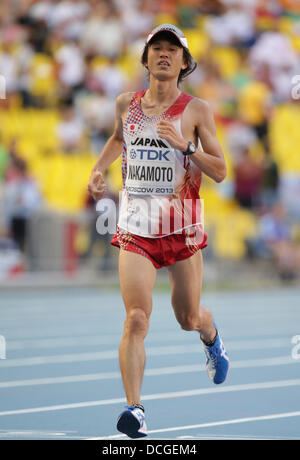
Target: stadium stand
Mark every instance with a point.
(248, 55)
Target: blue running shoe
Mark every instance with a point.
(217, 361)
(132, 422)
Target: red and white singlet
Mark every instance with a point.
(161, 186)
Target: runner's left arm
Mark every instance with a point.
(211, 159)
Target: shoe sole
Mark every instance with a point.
(129, 425)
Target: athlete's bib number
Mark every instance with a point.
(150, 167)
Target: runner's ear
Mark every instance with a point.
(184, 66)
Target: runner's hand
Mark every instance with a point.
(96, 185)
(166, 130)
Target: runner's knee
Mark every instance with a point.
(137, 321)
(188, 322)
(194, 321)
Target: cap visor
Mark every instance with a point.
(181, 41)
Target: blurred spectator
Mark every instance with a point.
(215, 7)
(270, 181)
(21, 199)
(97, 111)
(111, 79)
(212, 88)
(138, 19)
(24, 59)
(9, 68)
(275, 62)
(240, 136)
(66, 12)
(248, 177)
(254, 107)
(289, 192)
(42, 86)
(103, 31)
(37, 34)
(11, 259)
(235, 27)
(276, 233)
(11, 172)
(41, 10)
(70, 64)
(70, 131)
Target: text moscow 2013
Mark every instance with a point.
(149, 449)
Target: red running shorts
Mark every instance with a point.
(165, 250)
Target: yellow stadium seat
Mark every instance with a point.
(295, 40)
(228, 60)
(165, 18)
(42, 74)
(285, 137)
(99, 61)
(200, 21)
(231, 229)
(252, 101)
(285, 25)
(198, 42)
(264, 23)
(130, 64)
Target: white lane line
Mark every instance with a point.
(109, 339)
(60, 380)
(232, 437)
(151, 351)
(159, 371)
(112, 339)
(4, 434)
(210, 424)
(157, 396)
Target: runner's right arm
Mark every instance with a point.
(111, 151)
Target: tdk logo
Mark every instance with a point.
(160, 153)
(145, 154)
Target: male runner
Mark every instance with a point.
(168, 139)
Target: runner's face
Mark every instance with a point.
(165, 60)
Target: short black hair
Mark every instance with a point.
(187, 57)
